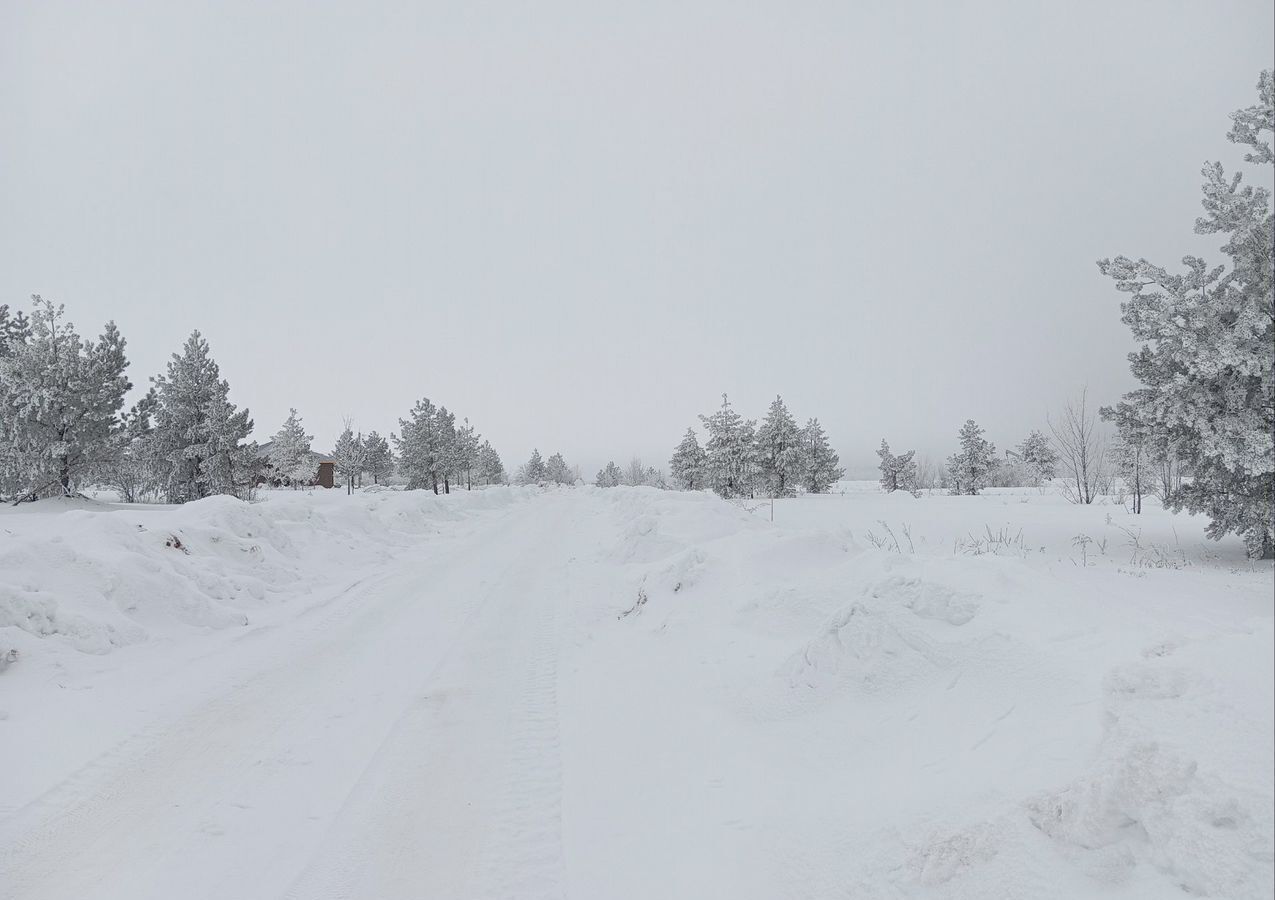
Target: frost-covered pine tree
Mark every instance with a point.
(778, 452)
(534, 470)
(898, 473)
(60, 398)
(15, 329)
(1208, 362)
(199, 435)
(232, 467)
(1038, 455)
(490, 468)
(290, 453)
(557, 470)
(689, 463)
(970, 469)
(449, 455)
(378, 459)
(822, 465)
(729, 452)
(349, 456)
(422, 454)
(609, 476)
(466, 454)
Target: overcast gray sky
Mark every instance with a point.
(579, 223)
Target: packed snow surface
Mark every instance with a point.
(630, 693)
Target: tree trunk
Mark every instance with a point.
(64, 476)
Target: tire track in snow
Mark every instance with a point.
(270, 748)
(525, 857)
(463, 799)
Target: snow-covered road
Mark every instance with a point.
(394, 695)
(402, 742)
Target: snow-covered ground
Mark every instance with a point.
(631, 693)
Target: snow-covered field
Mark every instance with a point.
(631, 693)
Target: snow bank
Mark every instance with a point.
(97, 576)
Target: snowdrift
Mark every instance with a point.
(941, 715)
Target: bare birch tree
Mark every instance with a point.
(1081, 448)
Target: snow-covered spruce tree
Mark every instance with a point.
(349, 455)
(689, 463)
(534, 470)
(421, 452)
(199, 435)
(1208, 362)
(729, 452)
(490, 468)
(822, 467)
(290, 453)
(557, 470)
(60, 398)
(969, 469)
(778, 452)
(1039, 457)
(378, 460)
(609, 476)
(898, 473)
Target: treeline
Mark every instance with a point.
(63, 427)
(1078, 457)
(436, 453)
(63, 424)
(556, 471)
(973, 467)
(740, 458)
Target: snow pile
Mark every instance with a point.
(97, 577)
